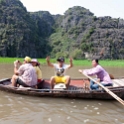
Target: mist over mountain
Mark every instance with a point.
(77, 33)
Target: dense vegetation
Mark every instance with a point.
(77, 33)
(19, 35)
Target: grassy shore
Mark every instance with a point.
(105, 63)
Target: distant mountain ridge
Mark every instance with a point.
(77, 33)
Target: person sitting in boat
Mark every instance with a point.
(36, 65)
(60, 69)
(101, 74)
(24, 75)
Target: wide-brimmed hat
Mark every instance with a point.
(61, 59)
(34, 60)
(27, 59)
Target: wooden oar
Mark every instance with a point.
(107, 90)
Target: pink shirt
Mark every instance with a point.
(100, 73)
(27, 74)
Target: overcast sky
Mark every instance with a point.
(113, 8)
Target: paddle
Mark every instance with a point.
(107, 90)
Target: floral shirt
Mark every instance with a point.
(27, 74)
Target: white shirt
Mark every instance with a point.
(60, 71)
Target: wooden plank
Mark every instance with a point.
(117, 82)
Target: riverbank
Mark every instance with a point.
(105, 63)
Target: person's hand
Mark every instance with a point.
(48, 62)
(47, 58)
(80, 71)
(98, 80)
(16, 63)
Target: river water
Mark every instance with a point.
(20, 109)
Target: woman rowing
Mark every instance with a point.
(102, 75)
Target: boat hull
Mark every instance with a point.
(77, 90)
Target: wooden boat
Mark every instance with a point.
(79, 88)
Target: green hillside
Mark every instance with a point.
(77, 33)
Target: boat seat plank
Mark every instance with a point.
(118, 82)
(122, 80)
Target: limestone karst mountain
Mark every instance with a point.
(77, 33)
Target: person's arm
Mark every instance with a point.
(71, 63)
(48, 62)
(16, 66)
(90, 72)
(16, 71)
